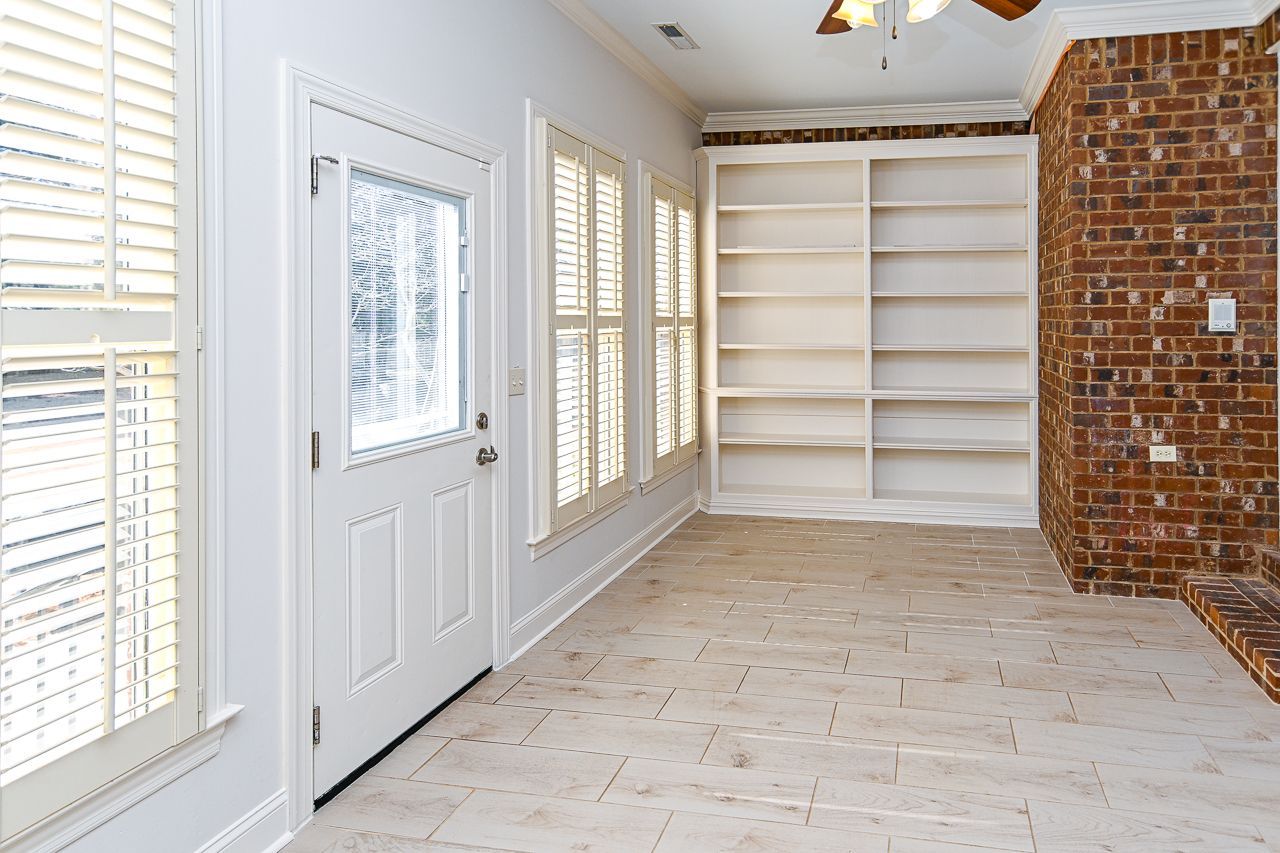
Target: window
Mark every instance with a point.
(583, 367)
(407, 376)
(99, 581)
(672, 303)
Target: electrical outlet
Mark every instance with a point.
(1164, 453)
(515, 381)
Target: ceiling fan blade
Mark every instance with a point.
(1010, 10)
(831, 26)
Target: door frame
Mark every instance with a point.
(304, 90)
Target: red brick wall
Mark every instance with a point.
(1157, 188)
(1059, 228)
(864, 134)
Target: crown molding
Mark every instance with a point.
(961, 112)
(1263, 8)
(1132, 19)
(1053, 44)
(629, 55)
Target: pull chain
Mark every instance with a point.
(884, 45)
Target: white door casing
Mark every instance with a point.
(401, 365)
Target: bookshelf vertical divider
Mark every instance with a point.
(869, 453)
(868, 330)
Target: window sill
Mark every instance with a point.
(670, 474)
(80, 818)
(545, 544)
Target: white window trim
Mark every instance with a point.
(652, 483)
(552, 541)
(212, 319)
(87, 814)
(650, 480)
(112, 799)
(542, 539)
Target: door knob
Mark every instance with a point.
(484, 457)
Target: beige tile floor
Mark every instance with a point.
(809, 686)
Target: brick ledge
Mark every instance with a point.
(1244, 615)
(1269, 567)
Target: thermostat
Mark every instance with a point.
(1222, 315)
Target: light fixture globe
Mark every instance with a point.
(923, 10)
(858, 13)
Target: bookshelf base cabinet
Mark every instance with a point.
(869, 330)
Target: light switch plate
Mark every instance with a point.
(1164, 453)
(515, 382)
(1222, 315)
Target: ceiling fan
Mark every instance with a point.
(846, 15)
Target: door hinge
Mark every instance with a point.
(315, 170)
(315, 725)
(199, 699)
(199, 338)
(315, 450)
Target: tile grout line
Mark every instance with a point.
(813, 801)
(613, 779)
(452, 812)
(671, 814)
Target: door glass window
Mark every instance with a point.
(407, 314)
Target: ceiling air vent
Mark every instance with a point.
(675, 34)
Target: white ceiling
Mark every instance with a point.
(764, 54)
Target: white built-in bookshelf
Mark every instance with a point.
(869, 329)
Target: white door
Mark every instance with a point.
(402, 494)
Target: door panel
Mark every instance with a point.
(453, 566)
(401, 511)
(375, 606)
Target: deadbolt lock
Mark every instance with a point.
(482, 421)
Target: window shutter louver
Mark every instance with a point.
(686, 320)
(572, 343)
(673, 319)
(610, 427)
(664, 344)
(588, 444)
(97, 396)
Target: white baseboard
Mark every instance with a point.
(918, 513)
(533, 626)
(265, 829)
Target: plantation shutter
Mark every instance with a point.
(98, 581)
(686, 270)
(571, 343)
(610, 432)
(664, 331)
(674, 327)
(588, 379)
